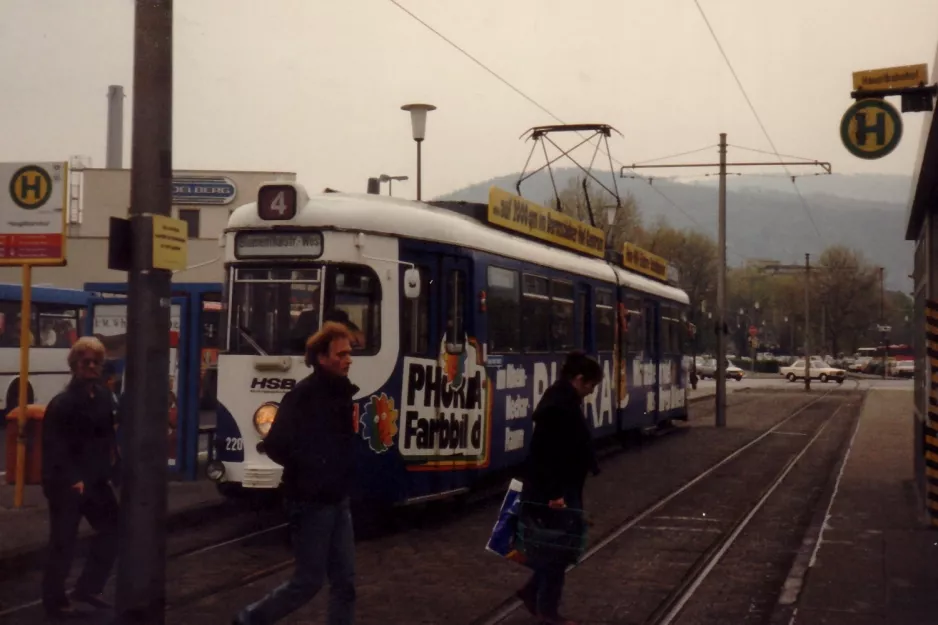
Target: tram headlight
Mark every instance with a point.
(264, 418)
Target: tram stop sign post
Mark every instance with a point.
(33, 215)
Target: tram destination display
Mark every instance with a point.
(278, 244)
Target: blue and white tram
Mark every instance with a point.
(461, 327)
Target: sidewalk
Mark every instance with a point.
(874, 561)
(24, 532)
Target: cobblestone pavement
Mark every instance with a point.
(435, 570)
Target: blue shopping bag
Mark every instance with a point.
(502, 540)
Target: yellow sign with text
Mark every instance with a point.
(891, 77)
(646, 263)
(513, 212)
(170, 239)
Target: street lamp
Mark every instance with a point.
(418, 126)
(390, 180)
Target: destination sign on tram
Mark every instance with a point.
(278, 244)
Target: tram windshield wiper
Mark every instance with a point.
(246, 335)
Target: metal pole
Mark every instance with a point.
(882, 311)
(419, 182)
(807, 325)
(721, 293)
(21, 421)
(390, 182)
(141, 579)
(114, 156)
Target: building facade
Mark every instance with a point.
(203, 199)
(922, 228)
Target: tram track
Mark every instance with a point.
(182, 548)
(668, 610)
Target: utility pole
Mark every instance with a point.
(720, 372)
(141, 592)
(722, 165)
(882, 318)
(807, 322)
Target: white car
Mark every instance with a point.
(819, 371)
(708, 369)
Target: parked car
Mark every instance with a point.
(708, 369)
(905, 369)
(819, 371)
(860, 364)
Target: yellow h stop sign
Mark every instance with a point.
(871, 129)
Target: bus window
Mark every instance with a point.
(10, 325)
(58, 325)
(274, 309)
(455, 315)
(562, 320)
(415, 318)
(502, 306)
(605, 321)
(535, 313)
(354, 298)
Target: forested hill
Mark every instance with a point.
(765, 218)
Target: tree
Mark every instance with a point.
(846, 292)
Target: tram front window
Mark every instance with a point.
(274, 311)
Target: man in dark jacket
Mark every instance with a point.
(313, 438)
(78, 454)
(561, 455)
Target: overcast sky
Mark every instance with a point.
(315, 86)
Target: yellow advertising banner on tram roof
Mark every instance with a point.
(513, 212)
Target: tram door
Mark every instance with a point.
(651, 312)
(454, 351)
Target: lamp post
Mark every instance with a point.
(390, 179)
(418, 126)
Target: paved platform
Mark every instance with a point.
(24, 532)
(873, 561)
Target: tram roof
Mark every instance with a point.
(377, 214)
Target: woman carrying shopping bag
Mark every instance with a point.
(561, 455)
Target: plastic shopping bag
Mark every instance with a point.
(502, 540)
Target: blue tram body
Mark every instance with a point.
(450, 377)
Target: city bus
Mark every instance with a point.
(460, 324)
(56, 321)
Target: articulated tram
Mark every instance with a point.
(462, 314)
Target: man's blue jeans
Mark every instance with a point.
(324, 546)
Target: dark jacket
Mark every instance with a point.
(313, 439)
(78, 440)
(561, 447)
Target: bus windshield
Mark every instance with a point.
(277, 309)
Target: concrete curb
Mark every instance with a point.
(787, 604)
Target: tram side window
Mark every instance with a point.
(58, 325)
(415, 318)
(456, 313)
(605, 321)
(667, 330)
(582, 313)
(535, 313)
(651, 337)
(354, 298)
(636, 324)
(563, 323)
(502, 310)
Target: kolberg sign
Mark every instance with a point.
(204, 190)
